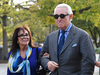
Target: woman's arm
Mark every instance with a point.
(46, 55)
(8, 71)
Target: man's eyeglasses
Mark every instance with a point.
(22, 36)
(61, 16)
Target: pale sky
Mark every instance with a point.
(19, 1)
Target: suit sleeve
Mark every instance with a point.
(44, 60)
(88, 55)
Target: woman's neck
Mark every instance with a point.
(24, 48)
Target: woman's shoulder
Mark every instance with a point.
(39, 49)
(9, 53)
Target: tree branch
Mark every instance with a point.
(81, 11)
(17, 6)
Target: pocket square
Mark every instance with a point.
(74, 45)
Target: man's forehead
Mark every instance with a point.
(61, 10)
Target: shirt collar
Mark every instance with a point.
(68, 29)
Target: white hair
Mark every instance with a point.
(69, 10)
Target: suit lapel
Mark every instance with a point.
(69, 39)
(55, 42)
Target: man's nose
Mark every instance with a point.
(59, 18)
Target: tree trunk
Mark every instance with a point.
(50, 28)
(5, 46)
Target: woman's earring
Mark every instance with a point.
(17, 42)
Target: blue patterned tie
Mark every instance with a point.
(61, 42)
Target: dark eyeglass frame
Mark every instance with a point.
(62, 16)
(23, 35)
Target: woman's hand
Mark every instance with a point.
(97, 64)
(46, 55)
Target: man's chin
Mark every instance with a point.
(60, 26)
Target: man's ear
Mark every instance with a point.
(71, 16)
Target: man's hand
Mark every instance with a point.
(52, 65)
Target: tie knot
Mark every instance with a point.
(63, 32)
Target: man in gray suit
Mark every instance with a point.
(77, 55)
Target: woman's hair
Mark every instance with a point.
(15, 45)
(69, 10)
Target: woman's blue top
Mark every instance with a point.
(32, 60)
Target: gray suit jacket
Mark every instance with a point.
(77, 56)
